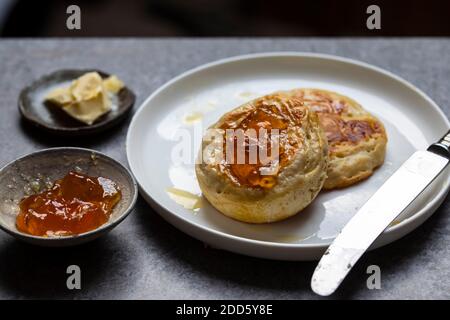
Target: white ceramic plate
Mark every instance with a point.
(199, 97)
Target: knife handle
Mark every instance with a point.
(442, 147)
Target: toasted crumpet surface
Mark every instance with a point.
(357, 139)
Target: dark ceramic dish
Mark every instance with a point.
(50, 118)
(50, 165)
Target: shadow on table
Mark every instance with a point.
(94, 140)
(28, 271)
(283, 279)
(33, 272)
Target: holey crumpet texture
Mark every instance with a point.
(356, 139)
(263, 161)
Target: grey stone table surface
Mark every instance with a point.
(147, 258)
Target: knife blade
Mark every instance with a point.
(377, 213)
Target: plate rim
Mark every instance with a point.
(438, 198)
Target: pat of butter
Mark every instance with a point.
(86, 99)
(113, 84)
(90, 98)
(187, 199)
(193, 118)
(60, 96)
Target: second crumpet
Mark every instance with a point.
(357, 139)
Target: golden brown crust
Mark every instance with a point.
(357, 140)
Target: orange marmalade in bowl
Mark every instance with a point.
(75, 204)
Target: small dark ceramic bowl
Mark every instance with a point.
(50, 165)
(36, 111)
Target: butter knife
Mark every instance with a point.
(377, 213)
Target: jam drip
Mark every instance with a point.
(75, 204)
